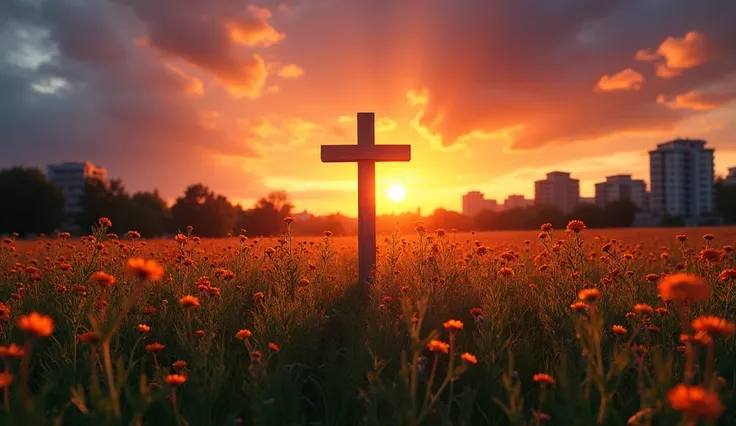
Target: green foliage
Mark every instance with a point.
(30, 203)
(210, 214)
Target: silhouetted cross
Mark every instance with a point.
(366, 153)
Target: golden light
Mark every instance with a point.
(396, 193)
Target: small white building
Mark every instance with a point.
(682, 178)
(622, 187)
(71, 178)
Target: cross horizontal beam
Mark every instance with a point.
(378, 153)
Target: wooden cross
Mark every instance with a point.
(366, 153)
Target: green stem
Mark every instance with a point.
(110, 377)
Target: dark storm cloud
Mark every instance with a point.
(114, 101)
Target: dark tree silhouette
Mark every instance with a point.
(592, 215)
(620, 214)
(104, 199)
(148, 214)
(30, 203)
(210, 214)
(726, 201)
(448, 220)
(266, 217)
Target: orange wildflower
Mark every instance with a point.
(579, 306)
(543, 378)
(5, 379)
(714, 326)
(243, 334)
(104, 222)
(144, 270)
(258, 296)
(575, 226)
(711, 255)
(728, 275)
(619, 329)
(102, 279)
(36, 324)
(189, 301)
(589, 294)
(154, 347)
(176, 379)
(696, 402)
(438, 346)
(684, 287)
(143, 328)
(453, 325)
(643, 308)
(274, 347)
(11, 352)
(469, 358)
(179, 365)
(506, 272)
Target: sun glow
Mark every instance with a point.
(396, 193)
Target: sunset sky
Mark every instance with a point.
(239, 95)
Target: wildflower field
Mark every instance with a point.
(556, 327)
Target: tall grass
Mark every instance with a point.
(454, 332)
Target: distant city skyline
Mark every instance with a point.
(681, 183)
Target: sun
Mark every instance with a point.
(396, 193)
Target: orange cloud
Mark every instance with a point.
(190, 85)
(209, 120)
(299, 129)
(249, 81)
(418, 97)
(291, 71)
(697, 100)
(261, 127)
(678, 54)
(385, 124)
(627, 79)
(255, 31)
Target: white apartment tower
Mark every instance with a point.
(622, 187)
(71, 178)
(558, 190)
(475, 202)
(682, 178)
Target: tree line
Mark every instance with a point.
(33, 205)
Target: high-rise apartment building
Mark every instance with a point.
(475, 202)
(71, 178)
(682, 178)
(622, 187)
(558, 190)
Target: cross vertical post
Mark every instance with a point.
(366, 200)
(366, 153)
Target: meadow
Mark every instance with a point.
(555, 327)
